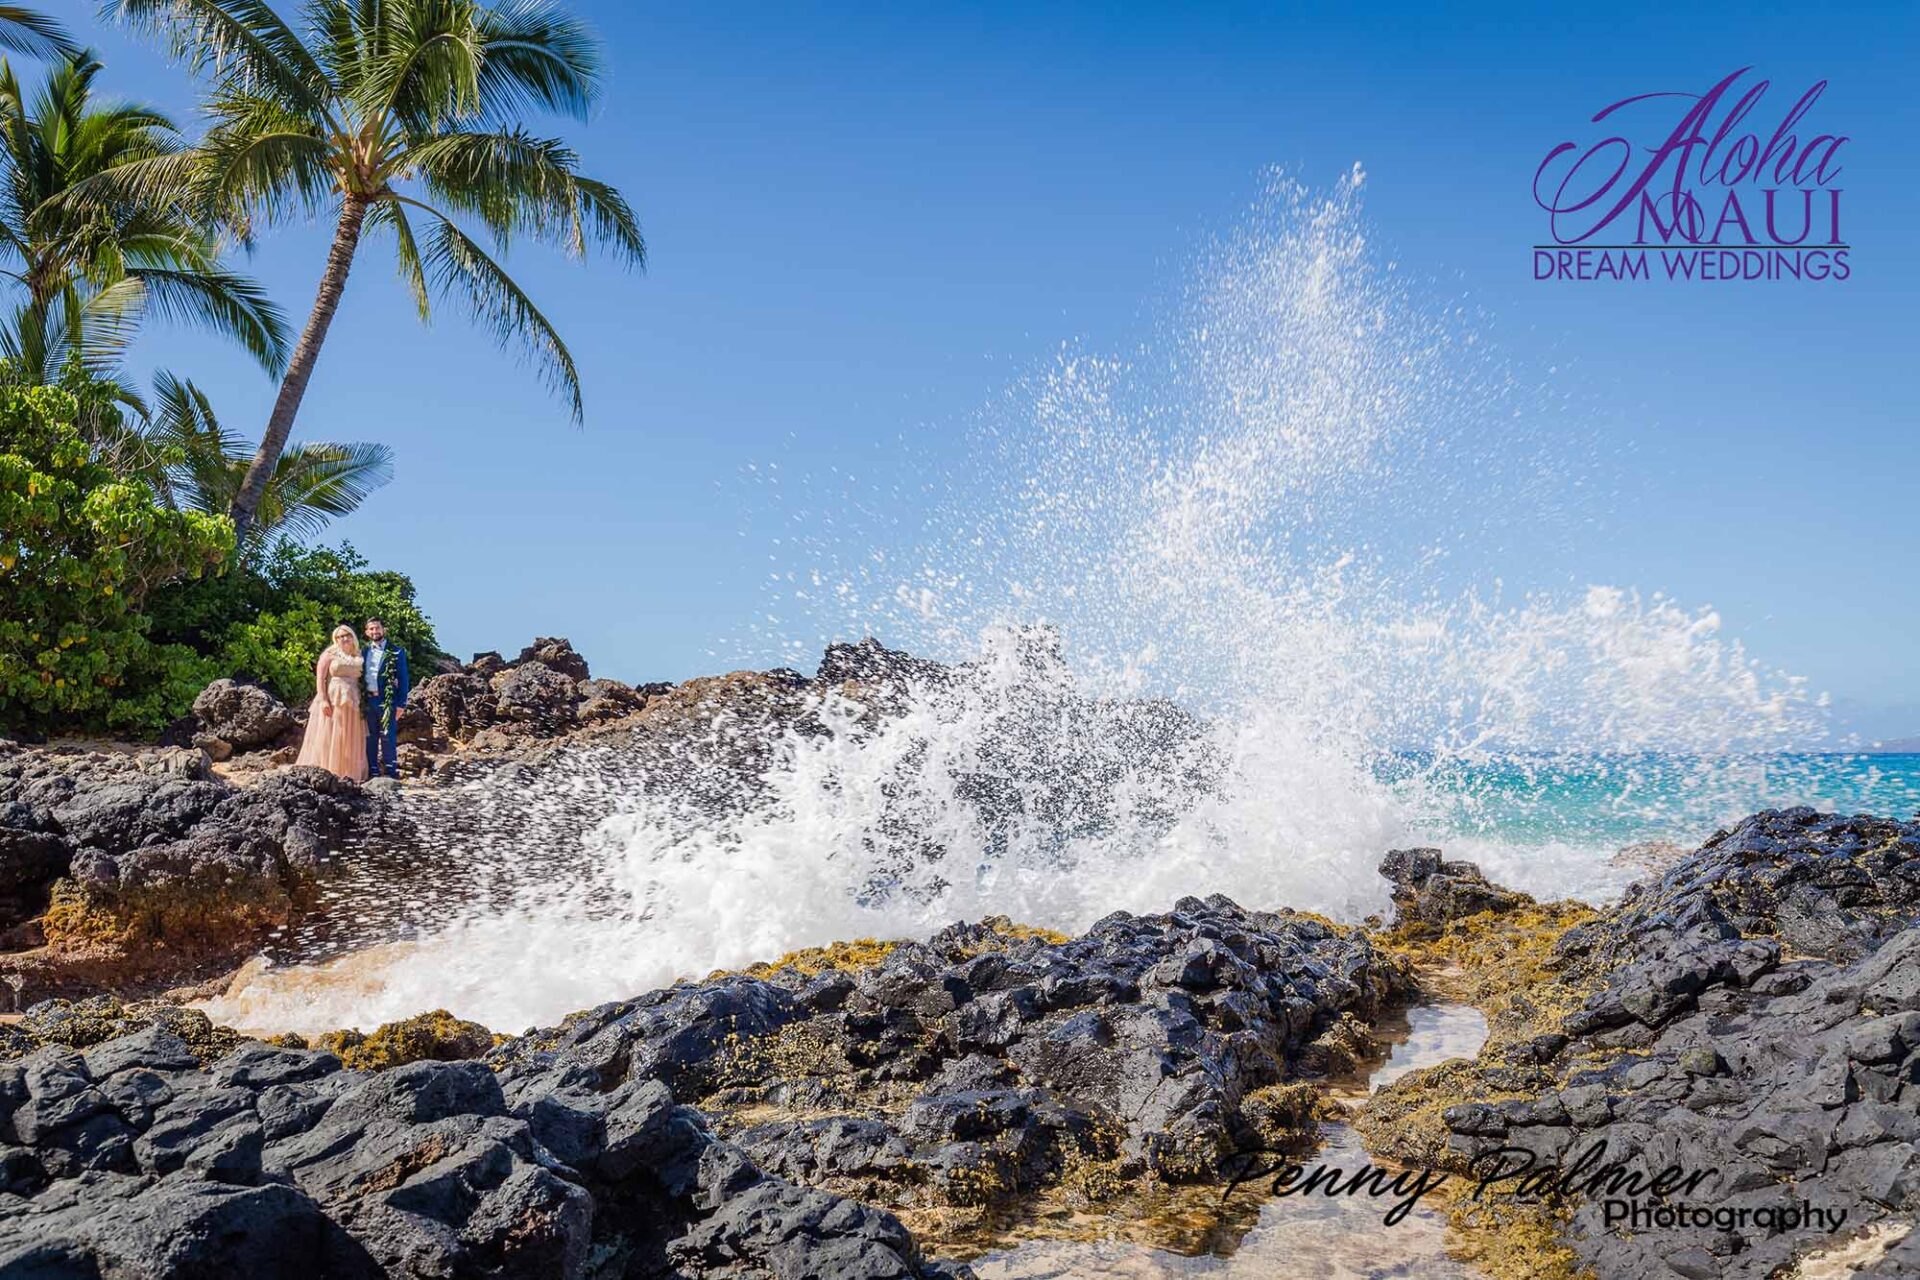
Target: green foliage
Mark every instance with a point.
(398, 119)
(114, 613)
(87, 266)
(269, 619)
(80, 551)
(31, 32)
(177, 444)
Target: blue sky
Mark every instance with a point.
(866, 221)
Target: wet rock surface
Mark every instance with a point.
(1430, 888)
(1753, 1014)
(135, 1159)
(1751, 1011)
(980, 1064)
(983, 1065)
(147, 862)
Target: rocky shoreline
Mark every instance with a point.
(136, 869)
(863, 1110)
(1753, 1013)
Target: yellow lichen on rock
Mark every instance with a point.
(1487, 960)
(866, 953)
(201, 915)
(861, 953)
(1340, 1050)
(1503, 964)
(1287, 1114)
(1511, 1240)
(1403, 1120)
(81, 1024)
(437, 1036)
(797, 1051)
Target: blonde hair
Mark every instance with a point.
(344, 630)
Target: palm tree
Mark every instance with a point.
(173, 443)
(87, 271)
(378, 112)
(25, 31)
(204, 466)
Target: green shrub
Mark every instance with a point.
(268, 620)
(81, 549)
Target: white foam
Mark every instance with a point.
(1263, 514)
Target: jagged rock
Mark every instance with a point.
(243, 716)
(216, 747)
(1138, 1044)
(207, 869)
(1822, 884)
(83, 1024)
(136, 1160)
(450, 708)
(536, 694)
(869, 660)
(1752, 1015)
(145, 862)
(608, 700)
(1429, 888)
(30, 861)
(556, 654)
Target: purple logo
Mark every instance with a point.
(1736, 183)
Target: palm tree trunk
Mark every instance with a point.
(293, 387)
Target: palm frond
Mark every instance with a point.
(406, 254)
(199, 455)
(24, 30)
(241, 42)
(204, 465)
(101, 209)
(93, 329)
(420, 64)
(223, 302)
(517, 183)
(164, 180)
(537, 56)
(314, 482)
(456, 264)
(262, 161)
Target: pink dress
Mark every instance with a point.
(336, 742)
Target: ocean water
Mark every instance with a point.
(863, 839)
(1560, 823)
(1328, 1237)
(1235, 611)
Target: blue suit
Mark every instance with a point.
(392, 685)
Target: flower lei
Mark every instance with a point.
(389, 685)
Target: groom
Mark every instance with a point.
(387, 688)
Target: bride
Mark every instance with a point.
(336, 727)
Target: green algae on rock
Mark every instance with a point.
(427, 1037)
(1753, 1015)
(82, 1024)
(210, 912)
